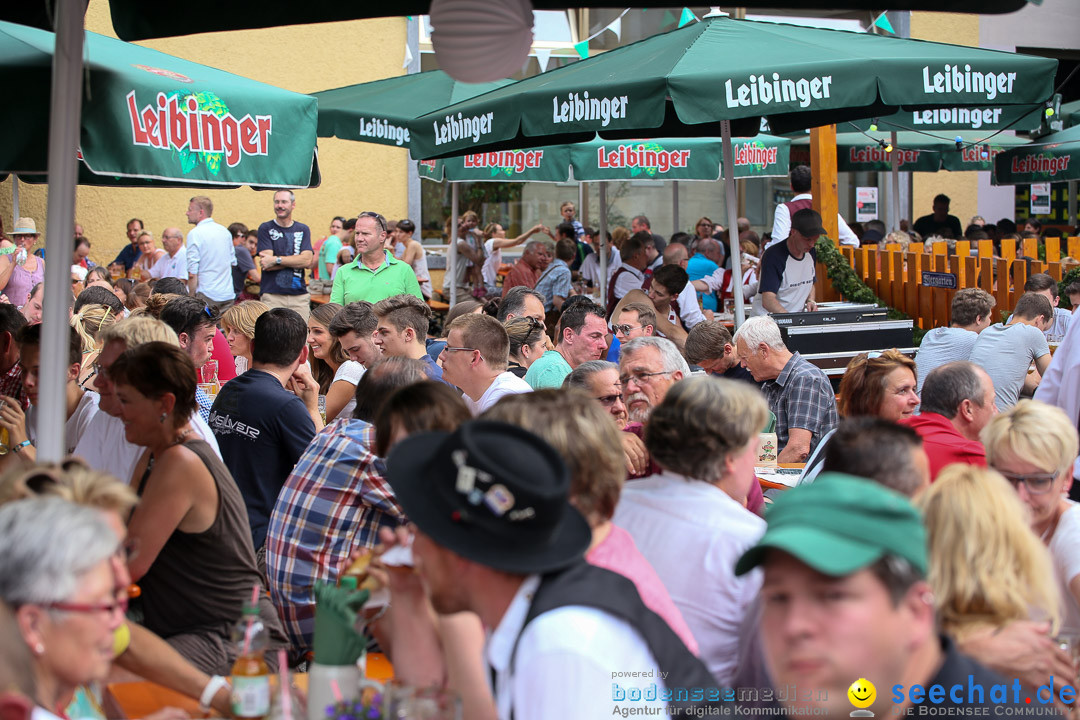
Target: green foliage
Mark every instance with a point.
(208, 102)
(1070, 277)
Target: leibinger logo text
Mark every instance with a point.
(579, 107)
(460, 127)
(760, 90)
(383, 130)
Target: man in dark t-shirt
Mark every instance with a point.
(789, 269)
(940, 222)
(709, 346)
(261, 427)
(244, 269)
(285, 254)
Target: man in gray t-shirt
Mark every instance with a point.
(971, 314)
(1006, 352)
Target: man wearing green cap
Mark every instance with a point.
(845, 601)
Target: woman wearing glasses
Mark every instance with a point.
(60, 573)
(1033, 445)
(135, 648)
(527, 343)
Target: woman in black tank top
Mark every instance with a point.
(196, 564)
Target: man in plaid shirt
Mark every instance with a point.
(799, 394)
(333, 503)
(11, 321)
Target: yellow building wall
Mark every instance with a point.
(961, 187)
(303, 58)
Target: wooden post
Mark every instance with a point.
(1053, 251)
(941, 296)
(823, 162)
(911, 285)
(1074, 247)
(986, 274)
(897, 257)
(1001, 292)
(986, 248)
(1019, 279)
(1031, 247)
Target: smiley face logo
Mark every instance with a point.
(862, 694)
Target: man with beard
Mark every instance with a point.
(648, 367)
(582, 337)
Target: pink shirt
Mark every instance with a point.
(618, 553)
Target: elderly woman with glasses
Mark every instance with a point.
(61, 573)
(1034, 445)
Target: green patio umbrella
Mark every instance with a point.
(915, 152)
(140, 20)
(1023, 118)
(380, 111)
(137, 116)
(598, 160)
(1052, 158)
(699, 79)
(148, 117)
(689, 80)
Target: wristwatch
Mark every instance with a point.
(277, 261)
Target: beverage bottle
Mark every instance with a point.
(250, 674)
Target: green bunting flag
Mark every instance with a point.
(883, 23)
(582, 49)
(687, 17)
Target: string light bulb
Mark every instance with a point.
(873, 126)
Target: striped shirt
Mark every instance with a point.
(333, 503)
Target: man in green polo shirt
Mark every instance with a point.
(375, 274)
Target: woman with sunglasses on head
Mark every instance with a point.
(527, 343)
(196, 563)
(1034, 445)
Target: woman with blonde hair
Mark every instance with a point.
(1034, 445)
(88, 322)
(238, 324)
(619, 235)
(336, 374)
(992, 580)
(150, 254)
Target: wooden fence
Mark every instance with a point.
(896, 275)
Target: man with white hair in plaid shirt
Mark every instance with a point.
(799, 394)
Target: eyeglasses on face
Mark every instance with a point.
(1036, 483)
(455, 349)
(641, 378)
(118, 607)
(624, 329)
(609, 400)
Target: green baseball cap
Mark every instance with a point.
(839, 525)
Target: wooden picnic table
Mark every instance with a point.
(139, 699)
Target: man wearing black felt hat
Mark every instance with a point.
(495, 534)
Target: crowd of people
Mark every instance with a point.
(574, 475)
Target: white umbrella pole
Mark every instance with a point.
(64, 121)
(14, 199)
(604, 251)
(451, 251)
(894, 160)
(732, 221)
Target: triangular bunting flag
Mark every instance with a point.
(687, 16)
(408, 57)
(883, 23)
(616, 27)
(582, 49)
(542, 57)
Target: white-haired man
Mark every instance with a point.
(648, 367)
(799, 394)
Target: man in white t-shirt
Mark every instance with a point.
(174, 262)
(788, 269)
(475, 360)
(104, 445)
(1006, 352)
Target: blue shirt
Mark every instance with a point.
(262, 429)
(284, 241)
(128, 256)
(555, 281)
(700, 267)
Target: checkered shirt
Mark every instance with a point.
(11, 385)
(801, 397)
(334, 502)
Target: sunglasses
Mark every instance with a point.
(379, 219)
